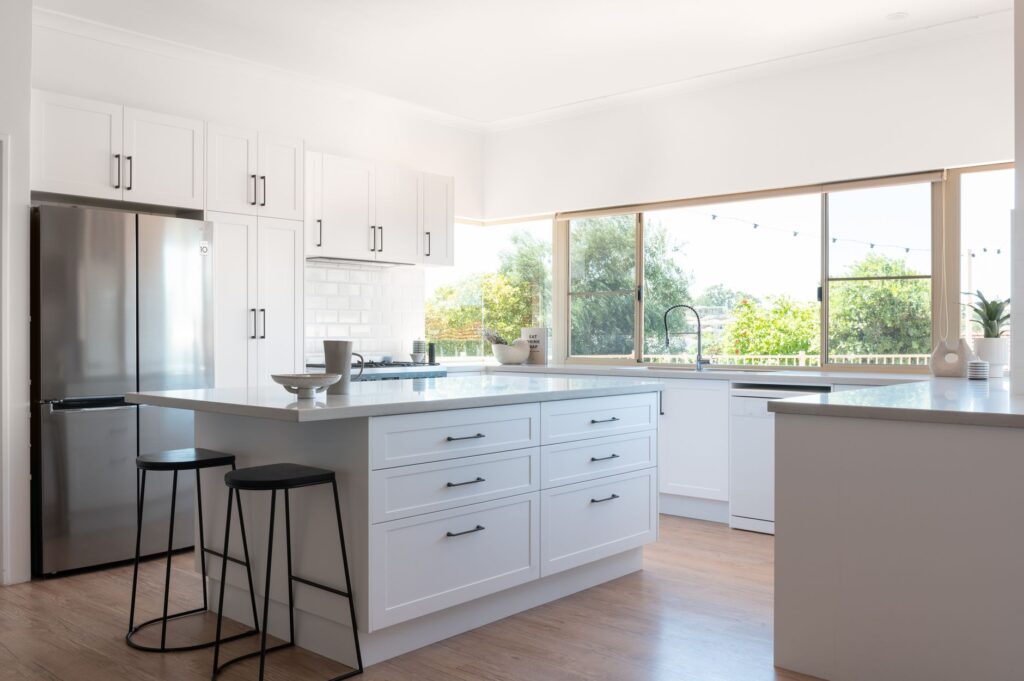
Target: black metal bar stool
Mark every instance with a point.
(274, 477)
(184, 460)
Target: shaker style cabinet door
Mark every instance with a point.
(279, 180)
(76, 146)
(693, 437)
(347, 211)
(163, 159)
(398, 214)
(231, 169)
(234, 299)
(438, 220)
(314, 210)
(279, 297)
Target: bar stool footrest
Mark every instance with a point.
(129, 637)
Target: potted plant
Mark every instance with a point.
(505, 352)
(994, 317)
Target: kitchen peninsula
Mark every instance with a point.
(558, 472)
(898, 512)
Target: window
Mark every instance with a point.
(986, 199)
(501, 281)
(825, 275)
(749, 268)
(879, 275)
(603, 286)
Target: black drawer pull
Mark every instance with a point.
(598, 501)
(459, 534)
(604, 458)
(468, 482)
(467, 437)
(614, 418)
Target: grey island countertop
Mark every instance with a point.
(939, 400)
(383, 398)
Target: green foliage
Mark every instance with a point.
(991, 315)
(783, 326)
(720, 295)
(887, 317)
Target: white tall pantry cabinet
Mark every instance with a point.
(258, 272)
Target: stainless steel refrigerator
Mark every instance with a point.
(120, 302)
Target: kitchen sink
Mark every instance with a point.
(678, 367)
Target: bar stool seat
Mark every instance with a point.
(177, 461)
(190, 459)
(272, 478)
(277, 476)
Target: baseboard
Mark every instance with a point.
(692, 507)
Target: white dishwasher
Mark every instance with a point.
(752, 452)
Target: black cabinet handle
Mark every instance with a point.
(478, 528)
(320, 233)
(428, 244)
(614, 418)
(131, 172)
(263, 179)
(373, 231)
(254, 191)
(253, 311)
(263, 313)
(117, 158)
(468, 482)
(598, 501)
(604, 458)
(380, 249)
(467, 437)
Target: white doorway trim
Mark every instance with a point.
(5, 416)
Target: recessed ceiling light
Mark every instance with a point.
(897, 16)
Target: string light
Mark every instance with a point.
(836, 239)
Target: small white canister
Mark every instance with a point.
(537, 337)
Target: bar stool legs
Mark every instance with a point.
(203, 550)
(347, 593)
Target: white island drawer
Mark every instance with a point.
(568, 420)
(427, 487)
(433, 436)
(574, 462)
(430, 562)
(592, 520)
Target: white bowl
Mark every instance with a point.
(418, 357)
(511, 354)
(306, 386)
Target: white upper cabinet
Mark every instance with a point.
(398, 214)
(76, 146)
(280, 162)
(359, 210)
(254, 173)
(83, 147)
(231, 171)
(438, 221)
(163, 159)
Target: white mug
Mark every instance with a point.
(338, 359)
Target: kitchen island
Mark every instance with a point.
(898, 521)
(559, 472)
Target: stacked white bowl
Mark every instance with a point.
(977, 370)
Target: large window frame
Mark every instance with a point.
(944, 275)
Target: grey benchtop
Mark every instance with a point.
(383, 398)
(939, 400)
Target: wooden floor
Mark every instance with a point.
(701, 610)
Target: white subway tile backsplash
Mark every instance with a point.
(380, 309)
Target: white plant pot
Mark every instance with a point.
(511, 354)
(995, 351)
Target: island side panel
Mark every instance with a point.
(923, 553)
(341, 445)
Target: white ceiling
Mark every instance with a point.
(490, 60)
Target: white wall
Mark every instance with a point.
(935, 104)
(87, 60)
(15, 52)
(380, 309)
